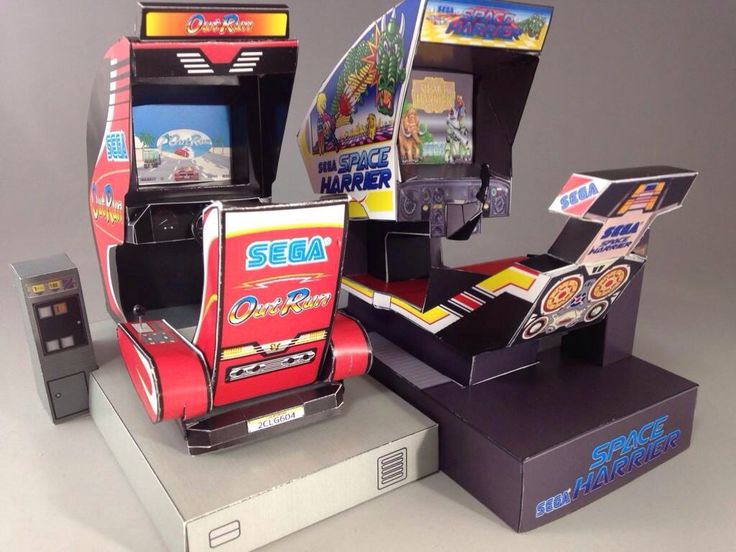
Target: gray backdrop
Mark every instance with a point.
(620, 84)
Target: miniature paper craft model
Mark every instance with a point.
(184, 135)
(438, 165)
(416, 124)
(57, 332)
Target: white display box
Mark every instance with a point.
(248, 496)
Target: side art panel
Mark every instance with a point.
(347, 139)
(168, 373)
(109, 133)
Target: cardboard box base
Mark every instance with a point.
(245, 497)
(542, 442)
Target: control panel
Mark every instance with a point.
(153, 336)
(427, 200)
(164, 222)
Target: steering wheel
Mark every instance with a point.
(197, 227)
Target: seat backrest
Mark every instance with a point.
(612, 210)
(271, 281)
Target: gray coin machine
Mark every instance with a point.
(57, 332)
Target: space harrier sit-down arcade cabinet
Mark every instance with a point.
(416, 123)
(184, 136)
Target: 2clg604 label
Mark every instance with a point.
(275, 418)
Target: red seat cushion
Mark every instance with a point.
(412, 291)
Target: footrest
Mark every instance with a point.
(255, 419)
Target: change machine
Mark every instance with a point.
(57, 333)
(416, 123)
(184, 135)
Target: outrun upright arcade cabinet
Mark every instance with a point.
(184, 136)
(417, 123)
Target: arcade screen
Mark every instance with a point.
(437, 119)
(180, 144)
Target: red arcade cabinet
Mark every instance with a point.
(184, 135)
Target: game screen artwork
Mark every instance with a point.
(436, 124)
(180, 144)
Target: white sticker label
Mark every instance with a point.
(142, 328)
(275, 418)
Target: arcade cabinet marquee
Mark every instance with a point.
(184, 135)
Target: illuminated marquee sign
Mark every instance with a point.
(160, 23)
(486, 23)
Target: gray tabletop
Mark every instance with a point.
(63, 490)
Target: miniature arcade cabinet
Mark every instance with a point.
(191, 112)
(57, 332)
(430, 159)
(196, 109)
(423, 148)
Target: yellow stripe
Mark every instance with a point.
(509, 276)
(211, 300)
(363, 290)
(237, 352)
(379, 200)
(247, 350)
(302, 140)
(310, 276)
(356, 210)
(311, 337)
(431, 316)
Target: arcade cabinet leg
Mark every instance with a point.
(612, 339)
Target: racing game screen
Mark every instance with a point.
(181, 144)
(437, 119)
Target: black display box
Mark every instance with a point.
(542, 442)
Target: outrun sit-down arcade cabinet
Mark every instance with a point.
(184, 135)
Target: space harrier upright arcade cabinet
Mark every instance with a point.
(416, 124)
(184, 136)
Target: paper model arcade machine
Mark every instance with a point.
(414, 126)
(184, 135)
(417, 124)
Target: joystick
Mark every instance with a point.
(139, 311)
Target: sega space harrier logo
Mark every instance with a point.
(286, 252)
(615, 459)
(356, 171)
